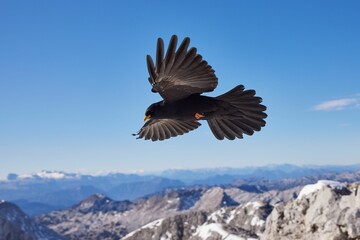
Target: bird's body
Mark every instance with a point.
(180, 78)
(185, 109)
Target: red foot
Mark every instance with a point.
(198, 116)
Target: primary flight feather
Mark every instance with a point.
(180, 77)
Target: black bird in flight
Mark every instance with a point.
(180, 78)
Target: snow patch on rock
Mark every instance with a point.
(311, 188)
(255, 205)
(168, 236)
(151, 225)
(256, 221)
(206, 231)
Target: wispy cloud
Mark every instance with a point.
(337, 104)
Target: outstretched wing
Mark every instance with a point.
(160, 129)
(181, 73)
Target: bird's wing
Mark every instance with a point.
(160, 129)
(181, 72)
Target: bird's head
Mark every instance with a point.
(153, 111)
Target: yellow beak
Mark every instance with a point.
(147, 117)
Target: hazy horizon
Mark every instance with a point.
(160, 171)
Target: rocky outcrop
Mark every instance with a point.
(327, 210)
(15, 225)
(241, 222)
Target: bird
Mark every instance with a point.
(181, 77)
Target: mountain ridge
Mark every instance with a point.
(51, 190)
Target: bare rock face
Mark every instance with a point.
(237, 223)
(212, 199)
(327, 210)
(177, 227)
(16, 225)
(96, 217)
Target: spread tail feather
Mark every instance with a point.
(245, 114)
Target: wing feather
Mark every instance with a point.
(159, 54)
(170, 54)
(181, 72)
(151, 69)
(161, 129)
(180, 55)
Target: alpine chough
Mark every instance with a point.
(180, 78)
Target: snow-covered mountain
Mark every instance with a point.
(14, 224)
(47, 175)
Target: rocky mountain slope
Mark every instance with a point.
(101, 216)
(47, 191)
(98, 215)
(241, 222)
(324, 210)
(14, 224)
(327, 210)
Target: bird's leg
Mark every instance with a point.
(198, 116)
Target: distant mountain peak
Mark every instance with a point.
(101, 203)
(15, 224)
(46, 175)
(94, 201)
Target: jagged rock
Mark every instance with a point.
(16, 225)
(214, 213)
(272, 196)
(98, 215)
(326, 211)
(178, 227)
(214, 198)
(241, 222)
(101, 216)
(100, 202)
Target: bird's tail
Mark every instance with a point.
(244, 114)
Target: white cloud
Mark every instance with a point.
(337, 104)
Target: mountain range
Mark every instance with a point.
(47, 191)
(313, 206)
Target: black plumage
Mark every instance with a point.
(180, 78)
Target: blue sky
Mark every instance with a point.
(73, 82)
